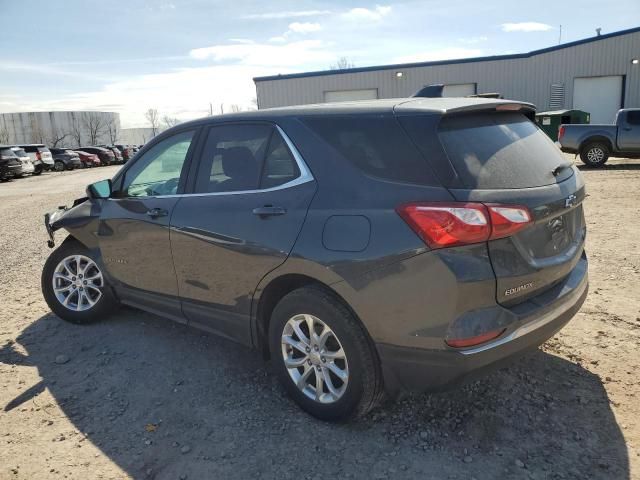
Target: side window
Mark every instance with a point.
(157, 172)
(232, 158)
(633, 117)
(375, 144)
(279, 165)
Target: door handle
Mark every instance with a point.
(269, 211)
(157, 212)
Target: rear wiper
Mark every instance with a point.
(560, 167)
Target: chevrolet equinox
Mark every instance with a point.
(363, 247)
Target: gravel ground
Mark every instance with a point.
(141, 397)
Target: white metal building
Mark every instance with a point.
(62, 129)
(599, 75)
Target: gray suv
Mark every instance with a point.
(363, 247)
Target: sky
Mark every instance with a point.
(180, 56)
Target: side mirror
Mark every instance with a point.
(101, 189)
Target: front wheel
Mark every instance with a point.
(58, 166)
(594, 154)
(74, 285)
(323, 356)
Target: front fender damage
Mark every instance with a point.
(77, 220)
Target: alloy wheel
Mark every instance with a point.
(595, 155)
(77, 283)
(314, 358)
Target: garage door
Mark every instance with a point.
(349, 95)
(600, 96)
(459, 90)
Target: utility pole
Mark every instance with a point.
(222, 108)
(560, 36)
(210, 109)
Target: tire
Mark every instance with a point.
(362, 390)
(80, 312)
(37, 171)
(595, 154)
(58, 166)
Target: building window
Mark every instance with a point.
(556, 98)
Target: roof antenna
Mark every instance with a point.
(598, 31)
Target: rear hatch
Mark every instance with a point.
(503, 157)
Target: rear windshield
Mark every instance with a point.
(43, 149)
(501, 150)
(7, 152)
(377, 145)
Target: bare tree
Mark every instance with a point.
(342, 64)
(113, 129)
(37, 134)
(76, 129)
(94, 124)
(235, 108)
(170, 121)
(153, 119)
(56, 137)
(4, 134)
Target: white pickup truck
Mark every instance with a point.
(595, 143)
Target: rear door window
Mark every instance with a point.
(500, 150)
(376, 144)
(232, 158)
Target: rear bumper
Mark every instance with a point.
(10, 171)
(417, 369)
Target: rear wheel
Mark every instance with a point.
(594, 154)
(37, 171)
(323, 356)
(74, 286)
(58, 166)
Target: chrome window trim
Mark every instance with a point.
(304, 177)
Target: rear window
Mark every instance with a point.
(43, 149)
(377, 145)
(20, 152)
(501, 150)
(7, 152)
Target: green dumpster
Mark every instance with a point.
(550, 121)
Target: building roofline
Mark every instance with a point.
(447, 62)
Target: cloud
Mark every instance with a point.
(292, 14)
(360, 14)
(183, 93)
(279, 39)
(525, 27)
(267, 55)
(244, 41)
(449, 53)
(305, 27)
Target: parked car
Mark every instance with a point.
(40, 157)
(595, 143)
(10, 165)
(88, 159)
(126, 150)
(65, 159)
(106, 156)
(391, 244)
(25, 160)
(117, 154)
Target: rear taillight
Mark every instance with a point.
(38, 156)
(507, 219)
(442, 225)
(560, 132)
